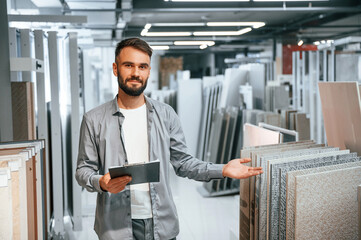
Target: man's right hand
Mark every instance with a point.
(114, 185)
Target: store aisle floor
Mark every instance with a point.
(200, 218)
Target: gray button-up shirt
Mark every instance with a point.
(102, 146)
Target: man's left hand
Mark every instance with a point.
(235, 169)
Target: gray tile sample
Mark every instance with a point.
(326, 205)
(261, 181)
(352, 157)
(253, 202)
(291, 180)
(359, 210)
(307, 161)
(244, 218)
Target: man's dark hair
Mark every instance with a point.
(136, 43)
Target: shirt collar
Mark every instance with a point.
(115, 106)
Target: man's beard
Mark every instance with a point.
(131, 91)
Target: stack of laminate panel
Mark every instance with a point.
(23, 190)
(224, 141)
(222, 138)
(277, 97)
(166, 96)
(307, 191)
(211, 98)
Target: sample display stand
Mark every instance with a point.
(63, 194)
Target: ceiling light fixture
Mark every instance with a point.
(223, 33)
(230, 24)
(300, 43)
(316, 43)
(203, 46)
(206, 0)
(208, 43)
(160, 47)
(291, 0)
(166, 34)
(194, 24)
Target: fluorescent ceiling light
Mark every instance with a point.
(300, 43)
(208, 43)
(160, 47)
(167, 34)
(147, 26)
(206, 0)
(291, 0)
(229, 24)
(160, 43)
(317, 43)
(203, 46)
(223, 33)
(194, 24)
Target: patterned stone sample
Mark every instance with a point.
(308, 161)
(254, 196)
(244, 231)
(260, 185)
(261, 180)
(282, 190)
(291, 178)
(326, 205)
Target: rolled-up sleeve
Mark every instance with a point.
(87, 171)
(184, 164)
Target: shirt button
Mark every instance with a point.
(128, 214)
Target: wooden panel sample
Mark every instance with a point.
(326, 204)
(22, 95)
(6, 227)
(14, 165)
(342, 114)
(31, 194)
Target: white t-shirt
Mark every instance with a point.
(136, 147)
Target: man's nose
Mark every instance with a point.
(135, 71)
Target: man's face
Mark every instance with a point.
(132, 69)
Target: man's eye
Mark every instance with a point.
(128, 65)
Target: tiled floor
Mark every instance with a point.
(200, 218)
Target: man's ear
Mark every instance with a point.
(115, 68)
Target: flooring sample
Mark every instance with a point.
(31, 193)
(302, 126)
(22, 96)
(189, 103)
(254, 181)
(233, 78)
(307, 161)
(14, 164)
(244, 232)
(252, 136)
(261, 181)
(34, 148)
(359, 210)
(291, 179)
(340, 159)
(342, 114)
(6, 228)
(326, 205)
(257, 136)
